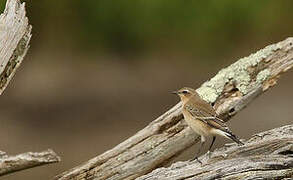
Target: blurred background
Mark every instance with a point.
(100, 70)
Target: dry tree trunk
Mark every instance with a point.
(15, 34)
(268, 155)
(229, 91)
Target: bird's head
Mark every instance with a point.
(185, 93)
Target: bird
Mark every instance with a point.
(202, 118)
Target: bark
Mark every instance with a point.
(11, 164)
(266, 155)
(15, 34)
(167, 136)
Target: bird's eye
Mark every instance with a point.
(184, 92)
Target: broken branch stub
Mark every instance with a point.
(11, 164)
(15, 34)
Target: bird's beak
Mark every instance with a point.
(174, 92)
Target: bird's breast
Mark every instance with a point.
(196, 125)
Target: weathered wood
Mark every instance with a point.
(11, 164)
(266, 155)
(15, 34)
(230, 91)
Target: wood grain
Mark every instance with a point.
(267, 155)
(232, 89)
(10, 164)
(15, 34)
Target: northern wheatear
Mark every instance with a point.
(202, 118)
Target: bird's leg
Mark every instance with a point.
(214, 138)
(199, 150)
(209, 152)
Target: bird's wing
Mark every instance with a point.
(207, 115)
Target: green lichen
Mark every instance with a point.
(238, 73)
(207, 93)
(262, 76)
(243, 80)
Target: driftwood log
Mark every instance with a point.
(268, 155)
(15, 34)
(167, 136)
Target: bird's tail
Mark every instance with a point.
(234, 138)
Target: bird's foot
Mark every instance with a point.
(196, 158)
(209, 153)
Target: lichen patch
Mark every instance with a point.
(262, 76)
(240, 73)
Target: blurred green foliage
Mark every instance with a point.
(136, 24)
(142, 25)
(2, 6)
(127, 25)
